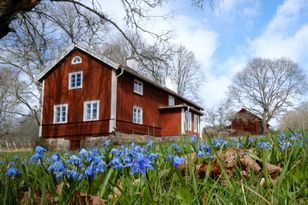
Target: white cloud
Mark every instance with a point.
(197, 38)
(230, 9)
(214, 89)
(285, 35)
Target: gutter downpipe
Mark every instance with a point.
(122, 71)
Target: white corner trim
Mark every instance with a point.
(113, 102)
(42, 106)
(200, 131)
(182, 121)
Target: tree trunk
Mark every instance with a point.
(264, 122)
(264, 129)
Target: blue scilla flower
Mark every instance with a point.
(115, 152)
(84, 154)
(293, 137)
(251, 139)
(141, 163)
(106, 143)
(55, 157)
(99, 165)
(193, 139)
(153, 156)
(56, 167)
(127, 160)
(281, 136)
(73, 175)
(177, 148)
(75, 160)
(40, 150)
(220, 142)
(236, 143)
(137, 148)
(284, 145)
(89, 172)
(1, 162)
(94, 152)
(265, 145)
(12, 171)
(116, 163)
(36, 157)
(149, 144)
(177, 161)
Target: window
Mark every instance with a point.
(91, 110)
(76, 60)
(196, 123)
(60, 113)
(188, 120)
(137, 115)
(75, 80)
(138, 87)
(171, 100)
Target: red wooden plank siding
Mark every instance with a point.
(96, 86)
(150, 101)
(171, 122)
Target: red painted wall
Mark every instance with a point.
(171, 122)
(96, 86)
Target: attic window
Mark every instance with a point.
(138, 87)
(76, 60)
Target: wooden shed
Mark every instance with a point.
(246, 122)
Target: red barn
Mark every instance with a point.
(245, 122)
(85, 94)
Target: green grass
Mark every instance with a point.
(166, 184)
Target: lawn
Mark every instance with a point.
(263, 170)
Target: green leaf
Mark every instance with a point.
(185, 195)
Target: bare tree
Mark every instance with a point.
(152, 61)
(185, 72)
(219, 116)
(266, 87)
(28, 51)
(296, 119)
(134, 13)
(8, 101)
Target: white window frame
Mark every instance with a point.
(188, 120)
(70, 79)
(171, 100)
(196, 123)
(61, 112)
(91, 110)
(140, 121)
(136, 90)
(76, 60)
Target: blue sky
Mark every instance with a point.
(226, 37)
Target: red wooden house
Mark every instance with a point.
(245, 122)
(85, 94)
